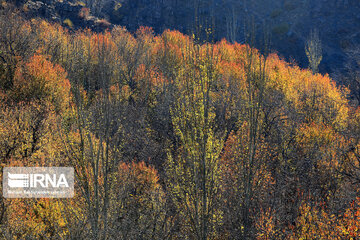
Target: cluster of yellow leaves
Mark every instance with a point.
(314, 96)
(36, 218)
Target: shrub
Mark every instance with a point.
(275, 13)
(280, 29)
(117, 6)
(116, 13)
(68, 23)
(345, 44)
(84, 12)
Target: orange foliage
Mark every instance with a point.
(265, 225)
(141, 185)
(138, 69)
(84, 12)
(143, 177)
(315, 222)
(349, 225)
(39, 79)
(37, 218)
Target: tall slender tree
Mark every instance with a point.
(193, 169)
(313, 50)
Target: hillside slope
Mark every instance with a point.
(170, 138)
(290, 22)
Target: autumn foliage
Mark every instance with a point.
(171, 139)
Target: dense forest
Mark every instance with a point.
(172, 137)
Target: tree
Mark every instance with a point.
(313, 50)
(139, 210)
(94, 145)
(256, 78)
(40, 80)
(351, 77)
(17, 43)
(192, 170)
(231, 22)
(289, 168)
